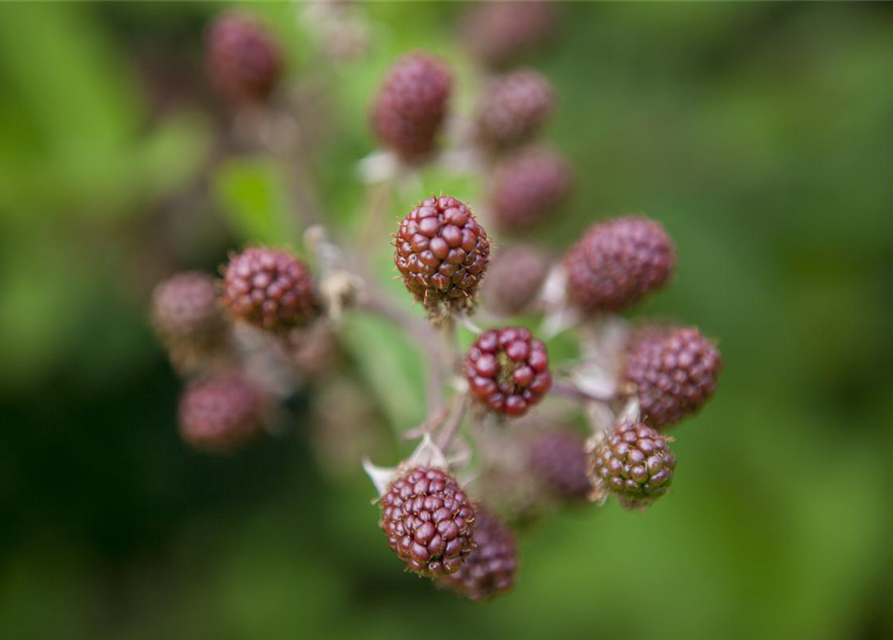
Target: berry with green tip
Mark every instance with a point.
(632, 462)
(508, 370)
(428, 520)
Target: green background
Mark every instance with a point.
(760, 134)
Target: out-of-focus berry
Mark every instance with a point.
(220, 414)
(243, 59)
(528, 189)
(185, 310)
(514, 108)
(617, 262)
(498, 33)
(558, 457)
(514, 278)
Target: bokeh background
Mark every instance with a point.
(760, 134)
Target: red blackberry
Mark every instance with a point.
(270, 289)
(184, 308)
(442, 253)
(633, 462)
(428, 520)
(490, 568)
(514, 278)
(528, 188)
(219, 414)
(674, 371)
(508, 370)
(617, 262)
(411, 104)
(244, 61)
(499, 32)
(515, 107)
(559, 459)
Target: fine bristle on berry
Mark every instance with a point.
(559, 459)
(270, 289)
(244, 61)
(428, 521)
(529, 187)
(409, 110)
(490, 568)
(442, 253)
(508, 370)
(220, 414)
(514, 279)
(617, 262)
(632, 462)
(674, 370)
(514, 109)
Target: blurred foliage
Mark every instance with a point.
(760, 134)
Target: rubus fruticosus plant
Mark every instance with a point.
(501, 409)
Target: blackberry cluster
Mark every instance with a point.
(411, 105)
(559, 459)
(490, 568)
(270, 289)
(633, 462)
(508, 370)
(617, 262)
(243, 60)
(220, 414)
(528, 188)
(498, 33)
(674, 371)
(514, 279)
(185, 309)
(428, 521)
(515, 107)
(442, 253)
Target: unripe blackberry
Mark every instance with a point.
(514, 108)
(528, 188)
(411, 105)
(558, 457)
(270, 289)
(508, 370)
(633, 462)
(514, 278)
(499, 32)
(442, 253)
(428, 520)
(244, 61)
(185, 309)
(490, 568)
(220, 414)
(674, 371)
(617, 262)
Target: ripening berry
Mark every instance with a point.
(514, 108)
(617, 262)
(489, 569)
(185, 309)
(411, 105)
(514, 279)
(508, 370)
(559, 459)
(428, 520)
(528, 188)
(675, 372)
(270, 289)
(219, 414)
(634, 463)
(497, 33)
(243, 59)
(442, 253)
